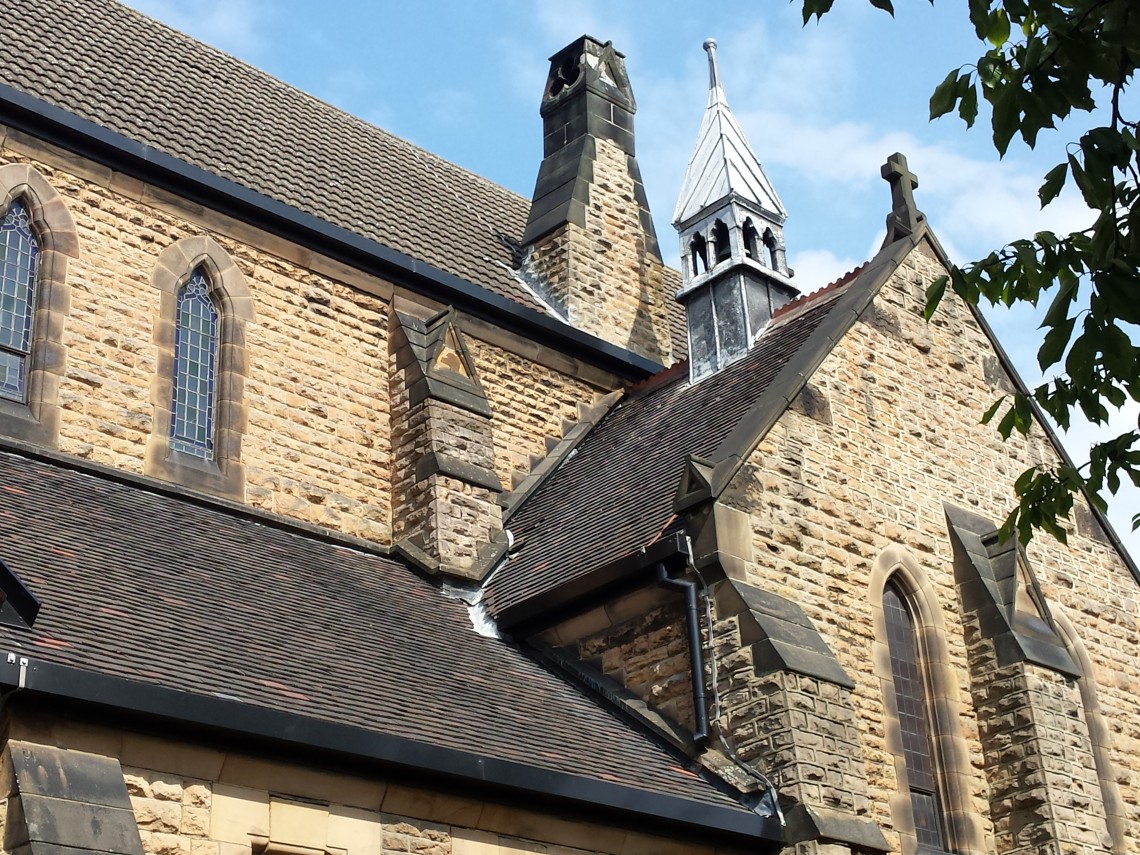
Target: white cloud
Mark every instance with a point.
(816, 268)
(235, 26)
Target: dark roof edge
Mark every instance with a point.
(234, 718)
(735, 448)
(177, 491)
(118, 152)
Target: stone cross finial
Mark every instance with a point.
(904, 217)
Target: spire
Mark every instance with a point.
(722, 162)
(730, 222)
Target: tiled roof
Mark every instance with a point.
(615, 494)
(110, 65)
(155, 588)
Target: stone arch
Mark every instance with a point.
(1114, 808)
(36, 419)
(224, 474)
(963, 827)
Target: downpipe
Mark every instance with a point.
(696, 651)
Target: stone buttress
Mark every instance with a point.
(1045, 795)
(446, 517)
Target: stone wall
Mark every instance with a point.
(800, 731)
(316, 446)
(601, 275)
(827, 497)
(522, 422)
(197, 800)
(647, 653)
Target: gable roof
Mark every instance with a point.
(626, 483)
(616, 493)
(162, 592)
(113, 66)
(620, 491)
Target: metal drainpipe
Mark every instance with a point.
(696, 651)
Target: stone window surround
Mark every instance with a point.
(963, 827)
(224, 475)
(37, 419)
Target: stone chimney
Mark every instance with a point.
(590, 250)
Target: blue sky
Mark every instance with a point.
(822, 105)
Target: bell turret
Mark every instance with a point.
(731, 226)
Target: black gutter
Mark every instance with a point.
(289, 731)
(696, 650)
(87, 139)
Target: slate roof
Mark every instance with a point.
(152, 587)
(111, 65)
(615, 494)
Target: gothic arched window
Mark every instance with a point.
(199, 386)
(911, 701)
(751, 241)
(37, 239)
(19, 255)
(195, 369)
(699, 258)
(722, 249)
(770, 244)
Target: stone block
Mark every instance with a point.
(238, 812)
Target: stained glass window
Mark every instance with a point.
(195, 369)
(18, 254)
(914, 718)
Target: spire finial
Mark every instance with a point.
(714, 71)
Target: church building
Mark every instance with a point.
(351, 504)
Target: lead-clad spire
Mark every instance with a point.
(722, 162)
(731, 225)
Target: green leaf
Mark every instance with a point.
(1054, 181)
(944, 96)
(818, 8)
(885, 5)
(1059, 308)
(992, 411)
(1006, 115)
(934, 295)
(997, 30)
(968, 106)
(1055, 342)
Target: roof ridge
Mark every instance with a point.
(283, 85)
(832, 288)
